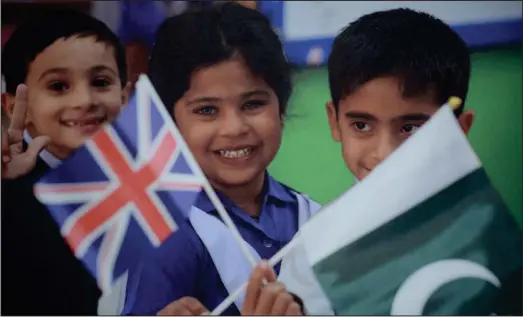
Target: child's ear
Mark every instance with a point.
(8, 104)
(466, 119)
(333, 121)
(126, 92)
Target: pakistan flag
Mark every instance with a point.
(424, 234)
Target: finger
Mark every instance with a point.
(253, 290)
(17, 125)
(268, 296)
(175, 308)
(194, 306)
(5, 142)
(6, 154)
(174, 311)
(281, 303)
(268, 273)
(5, 160)
(36, 146)
(27, 160)
(298, 301)
(293, 310)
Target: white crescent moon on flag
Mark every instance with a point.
(414, 293)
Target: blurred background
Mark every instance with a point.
(309, 160)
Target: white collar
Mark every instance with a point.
(45, 155)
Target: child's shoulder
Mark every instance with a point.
(299, 193)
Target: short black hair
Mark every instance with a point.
(31, 38)
(201, 38)
(421, 50)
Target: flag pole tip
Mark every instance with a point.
(454, 102)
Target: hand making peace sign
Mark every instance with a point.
(16, 162)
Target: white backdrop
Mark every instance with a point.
(308, 27)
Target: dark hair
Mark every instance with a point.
(197, 39)
(421, 50)
(34, 36)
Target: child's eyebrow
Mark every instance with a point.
(59, 70)
(216, 99)
(255, 92)
(62, 70)
(99, 68)
(360, 115)
(203, 100)
(414, 117)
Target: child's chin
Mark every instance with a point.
(238, 177)
(75, 143)
(361, 176)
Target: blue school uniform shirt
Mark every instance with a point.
(182, 266)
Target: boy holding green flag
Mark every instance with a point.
(425, 233)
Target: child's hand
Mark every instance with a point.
(16, 162)
(185, 306)
(268, 299)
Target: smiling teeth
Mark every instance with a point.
(81, 124)
(235, 154)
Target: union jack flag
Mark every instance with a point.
(123, 193)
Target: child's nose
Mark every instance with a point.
(385, 145)
(82, 97)
(233, 124)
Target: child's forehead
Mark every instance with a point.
(232, 76)
(74, 53)
(383, 97)
(390, 89)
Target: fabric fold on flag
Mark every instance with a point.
(424, 234)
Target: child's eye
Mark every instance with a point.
(410, 128)
(58, 86)
(361, 126)
(206, 110)
(254, 104)
(101, 82)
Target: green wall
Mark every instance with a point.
(311, 162)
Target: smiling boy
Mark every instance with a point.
(75, 74)
(65, 76)
(389, 72)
